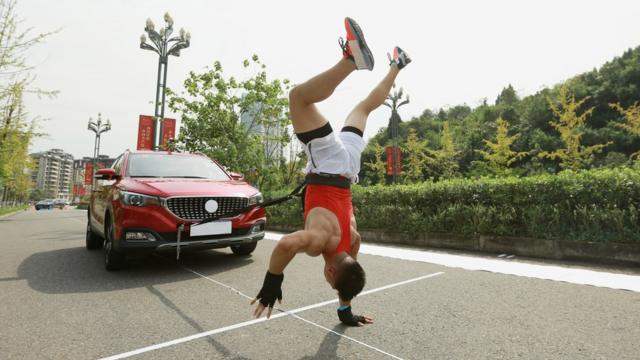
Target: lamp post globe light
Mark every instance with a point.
(164, 45)
(394, 122)
(97, 127)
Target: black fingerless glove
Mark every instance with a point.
(271, 289)
(347, 317)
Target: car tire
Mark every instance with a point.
(244, 249)
(113, 260)
(93, 241)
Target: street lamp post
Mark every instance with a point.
(163, 45)
(97, 127)
(394, 122)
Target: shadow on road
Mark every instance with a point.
(329, 347)
(221, 349)
(77, 270)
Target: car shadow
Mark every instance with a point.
(77, 270)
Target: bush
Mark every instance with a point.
(601, 205)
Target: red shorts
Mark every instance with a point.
(338, 201)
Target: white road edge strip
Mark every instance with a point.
(256, 321)
(510, 267)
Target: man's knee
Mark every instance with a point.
(296, 97)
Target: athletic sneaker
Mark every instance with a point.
(399, 58)
(355, 48)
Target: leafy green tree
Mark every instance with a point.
(377, 165)
(570, 125)
(416, 159)
(16, 131)
(500, 156)
(212, 107)
(632, 120)
(445, 159)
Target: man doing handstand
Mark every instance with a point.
(333, 164)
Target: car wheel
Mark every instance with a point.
(244, 249)
(93, 241)
(113, 260)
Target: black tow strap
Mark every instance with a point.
(296, 192)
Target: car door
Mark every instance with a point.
(101, 199)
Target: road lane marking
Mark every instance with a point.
(510, 267)
(257, 321)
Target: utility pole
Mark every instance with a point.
(97, 127)
(163, 45)
(394, 122)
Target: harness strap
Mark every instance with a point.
(328, 179)
(311, 178)
(296, 192)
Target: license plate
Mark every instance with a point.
(211, 228)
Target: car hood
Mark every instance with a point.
(189, 187)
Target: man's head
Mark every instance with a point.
(345, 275)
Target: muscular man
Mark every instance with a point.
(333, 164)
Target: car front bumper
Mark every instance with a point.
(169, 241)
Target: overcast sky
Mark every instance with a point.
(463, 52)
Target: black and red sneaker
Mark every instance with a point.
(355, 48)
(400, 58)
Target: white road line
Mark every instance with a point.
(510, 267)
(256, 321)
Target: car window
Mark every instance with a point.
(174, 166)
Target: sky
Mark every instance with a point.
(463, 51)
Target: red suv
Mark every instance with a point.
(139, 205)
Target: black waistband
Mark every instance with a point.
(328, 179)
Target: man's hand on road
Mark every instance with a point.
(271, 290)
(347, 318)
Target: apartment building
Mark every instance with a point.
(53, 172)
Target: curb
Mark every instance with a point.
(608, 253)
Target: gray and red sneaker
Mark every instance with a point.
(355, 48)
(400, 58)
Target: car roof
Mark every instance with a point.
(149, 152)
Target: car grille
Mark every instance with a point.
(192, 208)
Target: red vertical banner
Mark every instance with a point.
(389, 150)
(168, 131)
(146, 124)
(399, 161)
(88, 172)
(78, 190)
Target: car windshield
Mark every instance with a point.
(174, 166)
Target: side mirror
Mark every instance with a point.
(106, 174)
(236, 176)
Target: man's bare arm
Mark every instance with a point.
(282, 254)
(287, 248)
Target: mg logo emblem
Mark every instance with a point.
(211, 206)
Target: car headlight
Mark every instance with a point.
(135, 199)
(256, 199)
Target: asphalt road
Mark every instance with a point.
(58, 302)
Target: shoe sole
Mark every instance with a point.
(399, 54)
(361, 53)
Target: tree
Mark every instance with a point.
(16, 131)
(377, 165)
(632, 120)
(570, 125)
(416, 158)
(500, 156)
(212, 107)
(446, 159)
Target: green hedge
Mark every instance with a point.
(600, 205)
(12, 209)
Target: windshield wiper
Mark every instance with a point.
(191, 177)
